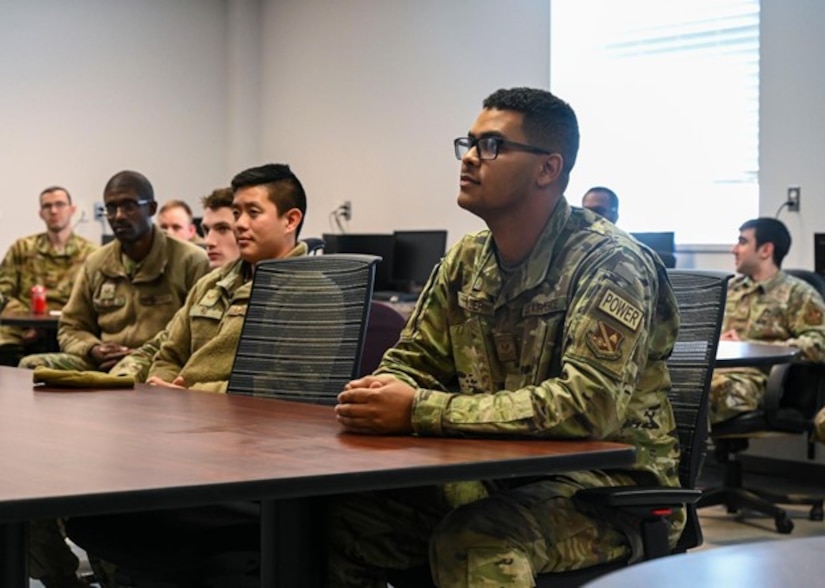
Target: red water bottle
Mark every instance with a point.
(39, 299)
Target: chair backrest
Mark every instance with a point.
(314, 244)
(813, 278)
(701, 299)
(383, 329)
(304, 329)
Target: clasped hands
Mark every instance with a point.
(106, 355)
(376, 405)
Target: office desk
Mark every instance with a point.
(767, 564)
(73, 453)
(749, 354)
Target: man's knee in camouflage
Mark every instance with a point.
(733, 392)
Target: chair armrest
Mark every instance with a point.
(639, 496)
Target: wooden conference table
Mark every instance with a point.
(69, 453)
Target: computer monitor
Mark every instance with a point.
(378, 244)
(416, 253)
(662, 243)
(819, 253)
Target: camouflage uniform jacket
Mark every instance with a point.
(571, 345)
(33, 261)
(109, 306)
(201, 342)
(783, 310)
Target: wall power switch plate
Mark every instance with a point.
(794, 193)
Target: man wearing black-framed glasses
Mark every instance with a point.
(122, 296)
(549, 324)
(129, 289)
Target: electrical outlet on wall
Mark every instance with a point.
(794, 194)
(100, 211)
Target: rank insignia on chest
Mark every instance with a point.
(605, 341)
(505, 347)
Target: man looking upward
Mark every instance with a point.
(517, 333)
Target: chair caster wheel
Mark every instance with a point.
(816, 513)
(783, 524)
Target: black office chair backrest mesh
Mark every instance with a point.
(701, 299)
(304, 330)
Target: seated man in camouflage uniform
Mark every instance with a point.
(49, 259)
(175, 218)
(764, 304)
(124, 294)
(221, 247)
(603, 201)
(551, 324)
(129, 289)
(269, 206)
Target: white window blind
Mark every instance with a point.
(667, 96)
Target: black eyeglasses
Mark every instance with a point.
(127, 206)
(489, 147)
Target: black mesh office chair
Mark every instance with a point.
(302, 340)
(314, 245)
(701, 299)
(382, 333)
(793, 395)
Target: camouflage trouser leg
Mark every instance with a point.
(58, 361)
(734, 391)
(501, 540)
(374, 531)
(50, 558)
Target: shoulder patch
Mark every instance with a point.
(605, 341)
(619, 308)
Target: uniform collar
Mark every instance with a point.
(488, 278)
(152, 266)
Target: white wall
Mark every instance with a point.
(364, 100)
(91, 87)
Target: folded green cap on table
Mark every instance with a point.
(80, 379)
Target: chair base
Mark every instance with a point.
(737, 499)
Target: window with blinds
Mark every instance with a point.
(667, 96)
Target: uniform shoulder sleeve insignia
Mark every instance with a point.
(813, 314)
(619, 308)
(605, 341)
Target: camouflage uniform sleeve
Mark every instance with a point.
(174, 351)
(137, 363)
(10, 295)
(604, 350)
(423, 358)
(78, 331)
(216, 386)
(808, 324)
